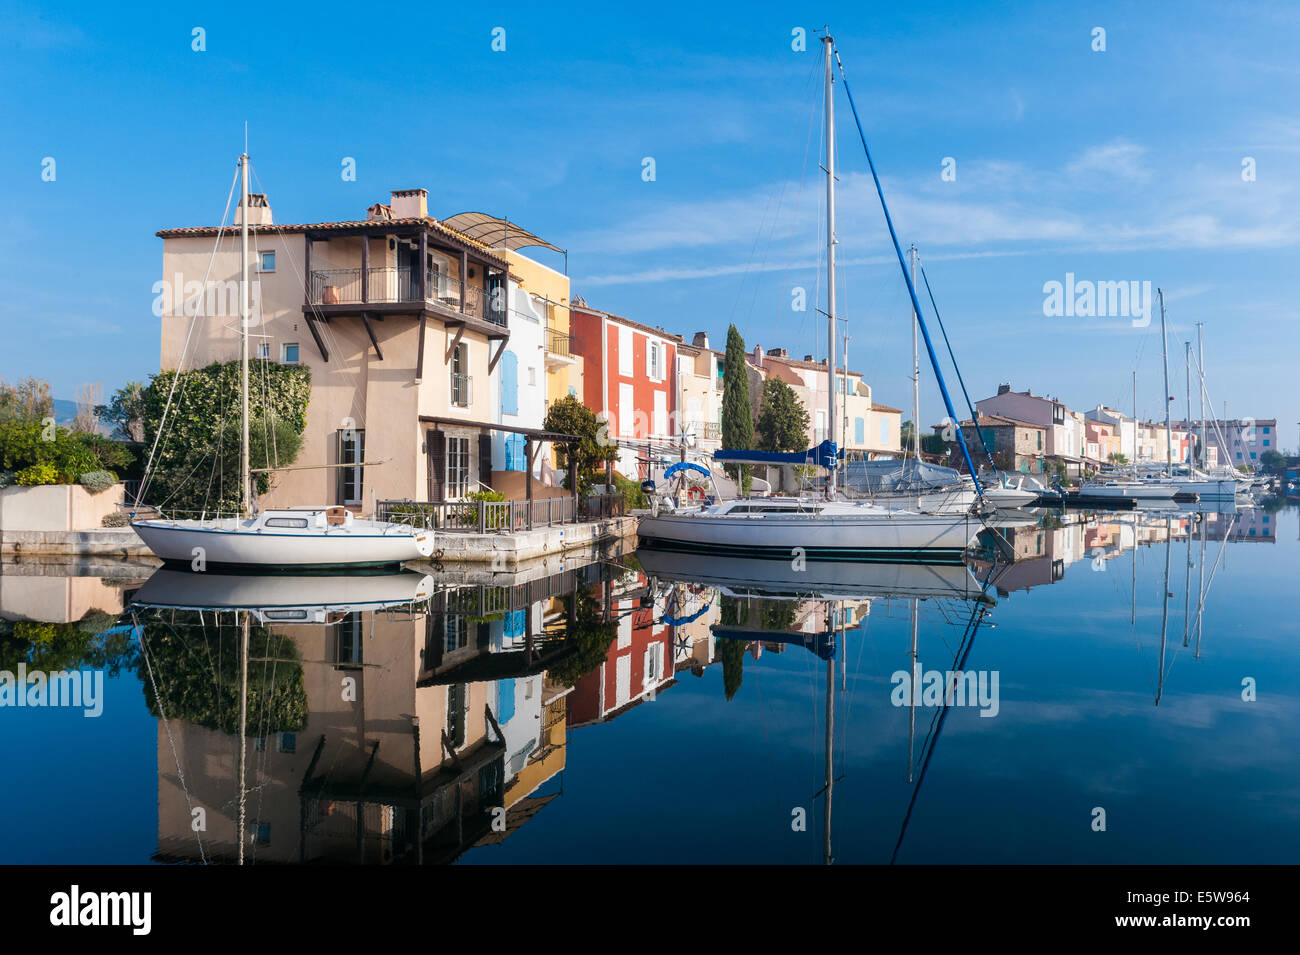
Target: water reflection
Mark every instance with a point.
(410, 718)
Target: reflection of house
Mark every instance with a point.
(1041, 555)
(422, 730)
(639, 663)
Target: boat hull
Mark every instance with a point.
(896, 538)
(198, 544)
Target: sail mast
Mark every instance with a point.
(916, 371)
(1200, 371)
(244, 477)
(1164, 350)
(830, 256)
(1187, 357)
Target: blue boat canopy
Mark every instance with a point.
(824, 455)
(681, 466)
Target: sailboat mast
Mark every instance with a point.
(245, 503)
(916, 369)
(1187, 355)
(830, 255)
(1164, 350)
(1135, 424)
(1200, 370)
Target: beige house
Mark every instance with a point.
(699, 397)
(864, 428)
(402, 320)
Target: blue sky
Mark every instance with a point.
(1119, 165)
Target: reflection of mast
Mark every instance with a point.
(1200, 588)
(243, 719)
(827, 858)
(911, 715)
(1164, 615)
(1187, 585)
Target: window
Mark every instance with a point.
(1266, 442)
(457, 467)
(1266, 431)
(654, 360)
(884, 432)
(1238, 455)
(351, 450)
(515, 460)
(859, 432)
(262, 833)
(350, 632)
(1252, 455)
(286, 522)
(1040, 440)
(289, 353)
(286, 742)
(266, 261)
(264, 351)
(460, 382)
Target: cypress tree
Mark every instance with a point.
(737, 413)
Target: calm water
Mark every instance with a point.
(652, 708)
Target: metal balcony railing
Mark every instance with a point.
(398, 285)
(558, 342)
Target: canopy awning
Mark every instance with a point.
(497, 233)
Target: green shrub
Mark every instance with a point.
(633, 496)
(96, 482)
(494, 497)
(24, 444)
(38, 475)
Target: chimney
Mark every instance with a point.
(1004, 389)
(410, 203)
(779, 353)
(701, 340)
(379, 211)
(259, 209)
(758, 355)
(807, 357)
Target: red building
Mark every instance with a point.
(629, 378)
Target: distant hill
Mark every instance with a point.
(65, 410)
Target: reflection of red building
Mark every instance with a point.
(638, 664)
(629, 376)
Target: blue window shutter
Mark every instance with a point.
(509, 383)
(859, 431)
(505, 700)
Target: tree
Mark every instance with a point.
(571, 416)
(782, 418)
(190, 469)
(905, 431)
(737, 413)
(88, 396)
(1271, 460)
(125, 411)
(1117, 457)
(29, 400)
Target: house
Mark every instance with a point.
(1238, 442)
(1121, 428)
(629, 380)
(1014, 445)
(410, 328)
(699, 393)
(864, 429)
(1064, 428)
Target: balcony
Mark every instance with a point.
(335, 288)
(559, 348)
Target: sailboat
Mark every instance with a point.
(276, 538)
(817, 528)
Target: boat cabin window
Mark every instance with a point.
(772, 509)
(285, 614)
(286, 522)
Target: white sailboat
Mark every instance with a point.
(280, 538)
(816, 528)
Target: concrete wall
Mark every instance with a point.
(56, 507)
